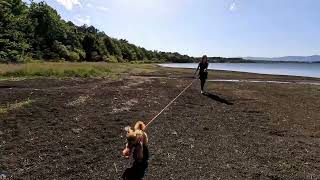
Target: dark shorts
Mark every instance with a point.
(203, 75)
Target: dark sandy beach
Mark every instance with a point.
(73, 129)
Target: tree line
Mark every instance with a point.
(225, 60)
(37, 31)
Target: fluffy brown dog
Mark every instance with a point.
(137, 141)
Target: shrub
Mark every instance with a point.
(51, 55)
(27, 59)
(95, 56)
(104, 58)
(112, 59)
(61, 49)
(13, 55)
(73, 56)
(3, 57)
(38, 55)
(81, 53)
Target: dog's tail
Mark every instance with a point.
(140, 126)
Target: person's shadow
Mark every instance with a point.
(217, 98)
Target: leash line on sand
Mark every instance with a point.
(155, 117)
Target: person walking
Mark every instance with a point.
(203, 71)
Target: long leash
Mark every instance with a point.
(155, 117)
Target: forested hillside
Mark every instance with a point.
(225, 60)
(36, 31)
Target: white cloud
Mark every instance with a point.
(68, 4)
(105, 9)
(83, 20)
(89, 5)
(233, 7)
(101, 8)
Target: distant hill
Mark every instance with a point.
(225, 60)
(314, 58)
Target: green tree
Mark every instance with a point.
(48, 25)
(13, 28)
(112, 47)
(89, 45)
(38, 31)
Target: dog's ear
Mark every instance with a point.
(140, 126)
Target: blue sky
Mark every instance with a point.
(229, 28)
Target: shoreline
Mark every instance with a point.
(253, 75)
(240, 71)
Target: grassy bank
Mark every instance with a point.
(14, 106)
(42, 69)
(69, 69)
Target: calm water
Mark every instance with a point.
(292, 69)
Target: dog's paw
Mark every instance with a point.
(126, 153)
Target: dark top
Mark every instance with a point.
(203, 74)
(202, 67)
